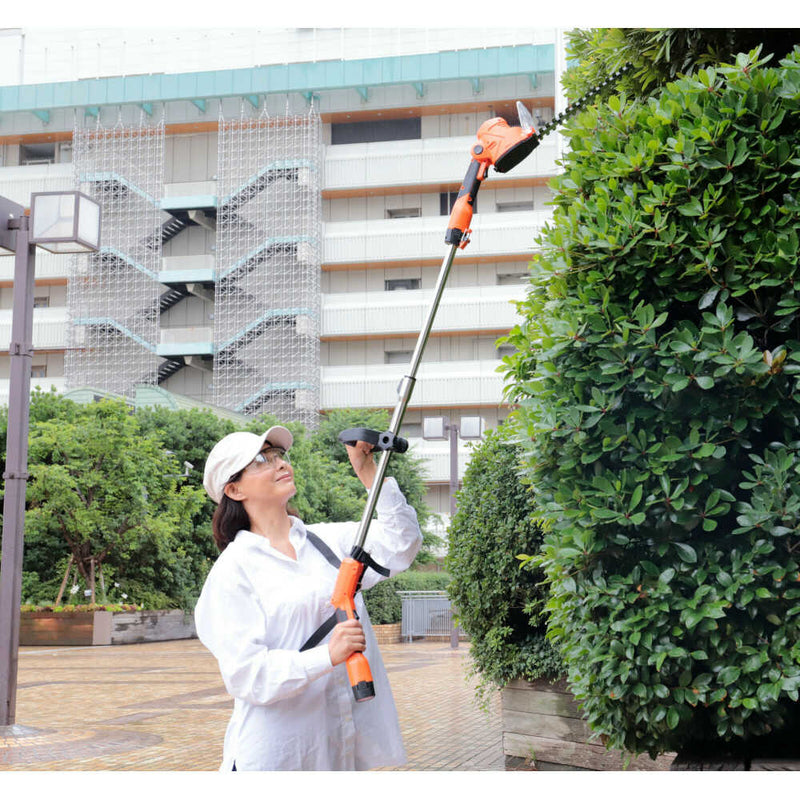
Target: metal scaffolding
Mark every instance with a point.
(113, 295)
(269, 236)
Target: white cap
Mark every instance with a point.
(234, 452)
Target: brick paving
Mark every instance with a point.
(162, 706)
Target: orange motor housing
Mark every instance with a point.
(500, 145)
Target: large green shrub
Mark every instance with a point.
(498, 604)
(657, 377)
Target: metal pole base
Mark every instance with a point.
(20, 732)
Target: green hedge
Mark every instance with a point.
(498, 603)
(385, 605)
(658, 380)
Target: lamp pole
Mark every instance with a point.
(453, 429)
(62, 222)
(16, 474)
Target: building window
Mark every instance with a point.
(39, 372)
(525, 205)
(506, 350)
(448, 199)
(512, 278)
(376, 130)
(65, 153)
(403, 213)
(393, 284)
(398, 356)
(39, 153)
(41, 302)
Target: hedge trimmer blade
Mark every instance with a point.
(580, 103)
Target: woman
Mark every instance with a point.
(270, 590)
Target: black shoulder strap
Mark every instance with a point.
(337, 616)
(330, 556)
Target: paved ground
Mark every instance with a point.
(162, 706)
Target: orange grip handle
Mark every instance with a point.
(461, 215)
(344, 601)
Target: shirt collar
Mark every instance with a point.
(297, 536)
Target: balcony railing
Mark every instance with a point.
(187, 269)
(473, 308)
(439, 384)
(420, 162)
(50, 327)
(47, 265)
(371, 241)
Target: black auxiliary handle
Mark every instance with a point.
(380, 441)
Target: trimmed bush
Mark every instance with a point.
(498, 604)
(657, 372)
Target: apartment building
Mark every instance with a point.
(274, 210)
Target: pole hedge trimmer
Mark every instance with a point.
(501, 146)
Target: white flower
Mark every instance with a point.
(124, 597)
(74, 589)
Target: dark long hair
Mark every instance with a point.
(230, 517)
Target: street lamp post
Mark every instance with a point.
(61, 222)
(442, 429)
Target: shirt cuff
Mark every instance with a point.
(390, 496)
(316, 661)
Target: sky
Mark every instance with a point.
(409, 13)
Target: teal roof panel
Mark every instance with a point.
(302, 77)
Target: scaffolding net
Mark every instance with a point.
(267, 306)
(113, 295)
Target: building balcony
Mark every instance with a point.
(47, 267)
(188, 341)
(189, 195)
(443, 384)
(50, 329)
(187, 269)
(497, 236)
(468, 309)
(422, 162)
(19, 183)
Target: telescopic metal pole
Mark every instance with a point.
(16, 474)
(404, 391)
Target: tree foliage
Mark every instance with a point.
(657, 376)
(108, 495)
(660, 55)
(113, 488)
(498, 604)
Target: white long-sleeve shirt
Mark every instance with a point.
(293, 710)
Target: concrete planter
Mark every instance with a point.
(80, 628)
(86, 628)
(544, 730)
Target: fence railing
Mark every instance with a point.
(428, 613)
